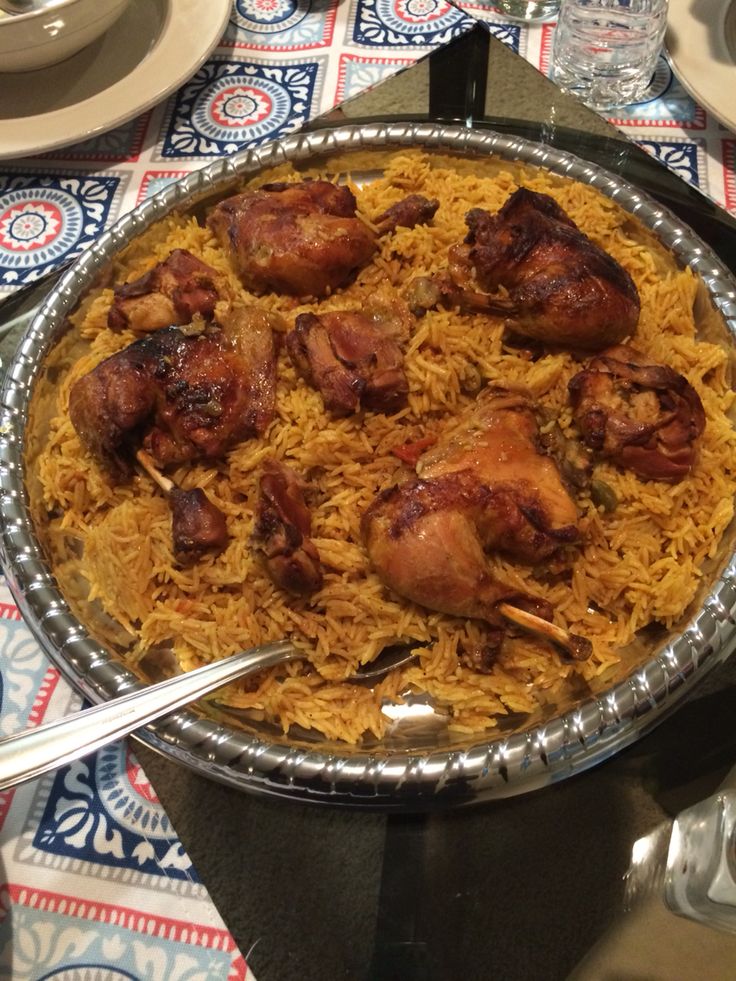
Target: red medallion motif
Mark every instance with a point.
(420, 11)
(30, 225)
(137, 778)
(240, 105)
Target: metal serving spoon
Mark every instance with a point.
(32, 752)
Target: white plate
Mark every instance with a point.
(701, 44)
(153, 48)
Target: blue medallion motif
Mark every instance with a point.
(46, 220)
(509, 34)
(281, 25)
(682, 158)
(278, 15)
(102, 810)
(425, 23)
(229, 105)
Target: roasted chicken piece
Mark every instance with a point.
(560, 288)
(178, 395)
(197, 525)
(282, 528)
(352, 359)
(303, 239)
(483, 487)
(410, 211)
(640, 415)
(169, 294)
(255, 335)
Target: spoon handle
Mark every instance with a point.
(30, 753)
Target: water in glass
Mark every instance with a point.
(605, 51)
(528, 11)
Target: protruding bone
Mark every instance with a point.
(578, 648)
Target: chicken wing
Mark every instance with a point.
(410, 211)
(641, 415)
(282, 528)
(197, 525)
(169, 294)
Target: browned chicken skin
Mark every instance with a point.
(641, 415)
(254, 335)
(351, 359)
(169, 294)
(179, 396)
(562, 289)
(282, 529)
(410, 211)
(304, 238)
(197, 525)
(484, 487)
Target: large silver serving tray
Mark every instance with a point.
(417, 767)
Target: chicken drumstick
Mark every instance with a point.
(484, 487)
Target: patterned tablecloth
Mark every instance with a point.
(94, 883)
(93, 880)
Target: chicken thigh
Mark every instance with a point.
(304, 238)
(559, 287)
(641, 415)
(180, 396)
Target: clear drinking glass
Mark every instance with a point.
(528, 11)
(700, 879)
(605, 51)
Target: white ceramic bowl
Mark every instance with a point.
(45, 37)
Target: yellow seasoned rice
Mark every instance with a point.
(640, 565)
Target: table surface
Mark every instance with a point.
(525, 888)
